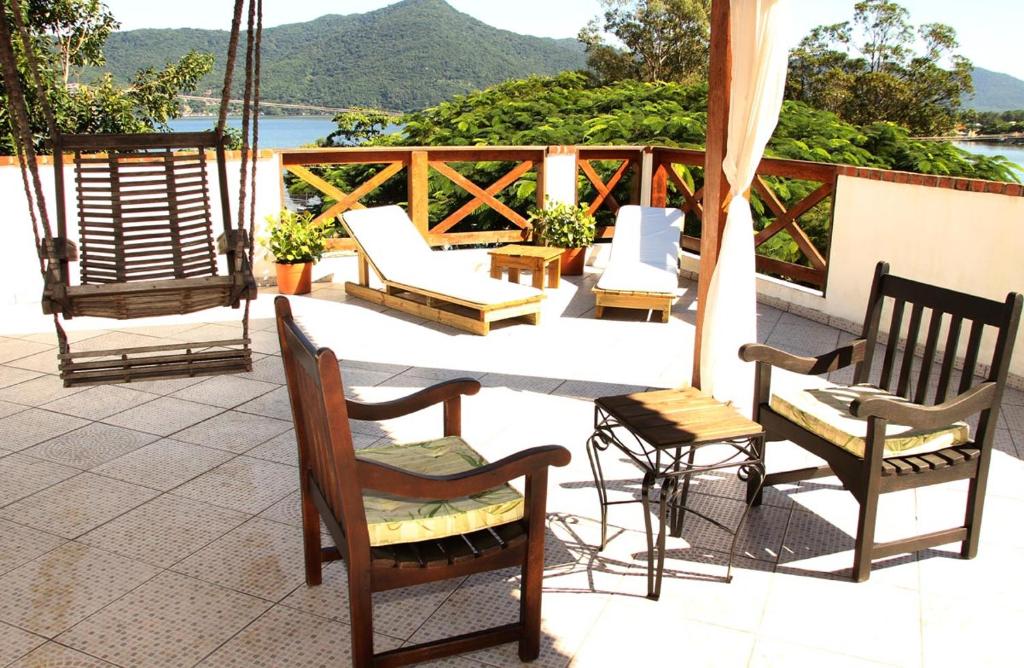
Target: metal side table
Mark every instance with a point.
(661, 432)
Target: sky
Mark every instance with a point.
(989, 30)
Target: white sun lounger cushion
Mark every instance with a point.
(645, 251)
(400, 253)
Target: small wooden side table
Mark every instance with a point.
(661, 432)
(539, 260)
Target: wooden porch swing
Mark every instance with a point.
(145, 225)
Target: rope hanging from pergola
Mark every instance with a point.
(144, 218)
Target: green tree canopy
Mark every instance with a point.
(662, 40)
(878, 67)
(69, 34)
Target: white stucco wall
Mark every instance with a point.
(967, 241)
(20, 281)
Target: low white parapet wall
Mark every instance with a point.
(944, 234)
(20, 281)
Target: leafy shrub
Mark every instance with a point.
(563, 225)
(292, 238)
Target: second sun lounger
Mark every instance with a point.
(422, 282)
(642, 271)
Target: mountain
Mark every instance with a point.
(994, 91)
(405, 56)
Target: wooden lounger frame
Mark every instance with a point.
(445, 309)
(648, 301)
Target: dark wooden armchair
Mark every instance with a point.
(880, 434)
(408, 514)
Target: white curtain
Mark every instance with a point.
(760, 40)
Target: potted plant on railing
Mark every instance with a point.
(296, 244)
(568, 227)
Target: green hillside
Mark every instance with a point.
(994, 91)
(408, 55)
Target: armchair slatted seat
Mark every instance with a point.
(883, 437)
(409, 514)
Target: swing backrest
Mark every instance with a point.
(143, 204)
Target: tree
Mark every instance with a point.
(67, 35)
(79, 29)
(868, 70)
(358, 125)
(663, 40)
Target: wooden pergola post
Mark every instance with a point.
(716, 187)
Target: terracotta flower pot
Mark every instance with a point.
(294, 279)
(572, 261)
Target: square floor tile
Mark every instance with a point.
(15, 643)
(164, 386)
(90, 446)
(396, 613)
(234, 431)
(286, 637)
(44, 362)
(260, 558)
(775, 654)
(273, 404)
(8, 408)
(10, 375)
(100, 401)
(39, 390)
(164, 464)
(696, 643)
(52, 655)
(171, 620)
(12, 349)
(269, 370)
(62, 587)
(20, 544)
(21, 475)
(164, 530)
(281, 449)
(163, 416)
(224, 391)
(72, 507)
(32, 426)
(244, 484)
(287, 511)
(789, 618)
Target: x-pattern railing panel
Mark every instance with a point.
(786, 216)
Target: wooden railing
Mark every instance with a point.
(419, 164)
(790, 196)
(794, 177)
(624, 167)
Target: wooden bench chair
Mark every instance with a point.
(643, 269)
(422, 282)
(879, 434)
(402, 515)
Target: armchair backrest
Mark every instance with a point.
(948, 319)
(326, 454)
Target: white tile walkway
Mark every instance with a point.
(156, 524)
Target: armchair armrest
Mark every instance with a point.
(400, 482)
(831, 361)
(435, 394)
(962, 406)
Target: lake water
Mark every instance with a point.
(275, 131)
(1012, 152)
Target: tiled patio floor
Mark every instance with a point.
(157, 524)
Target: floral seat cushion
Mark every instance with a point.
(393, 519)
(824, 409)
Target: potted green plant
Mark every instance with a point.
(565, 226)
(296, 244)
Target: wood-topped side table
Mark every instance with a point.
(539, 260)
(661, 432)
